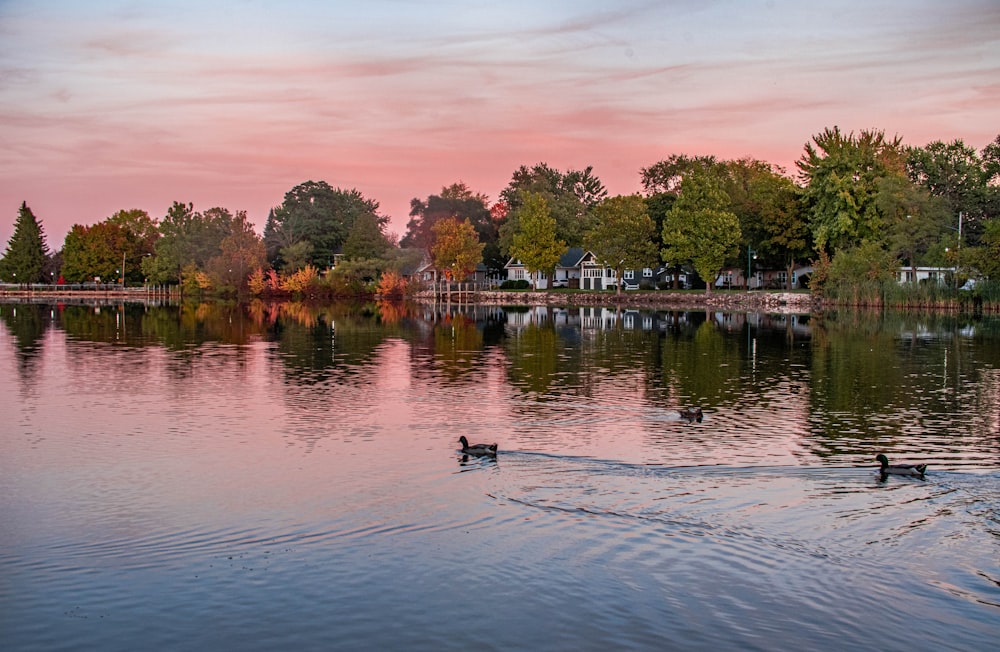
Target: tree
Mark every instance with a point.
(456, 250)
(841, 175)
(955, 173)
(314, 212)
(94, 251)
(699, 227)
(665, 176)
(535, 243)
(187, 238)
(459, 202)
(767, 204)
(366, 239)
(986, 257)
(915, 219)
(26, 254)
(240, 253)
(570, 198)
(622, 236)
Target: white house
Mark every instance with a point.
(937, 275)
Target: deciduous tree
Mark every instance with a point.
(314, 212)
(841, 173)
(94, 251)
(535, 243)
(456, 249)
(700, 228)
(570, 197)
(769, 209)
(622, 236)
(240, 253)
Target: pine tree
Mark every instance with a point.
(24, 260)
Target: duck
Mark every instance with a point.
(691, 414)
(477, 449)
(917, 470)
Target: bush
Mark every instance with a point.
(515, 285)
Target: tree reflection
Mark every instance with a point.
(26, 323)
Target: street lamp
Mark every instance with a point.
(751, 256)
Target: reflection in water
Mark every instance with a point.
(840, 386)
(279, 476)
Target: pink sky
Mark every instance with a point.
(109, 105)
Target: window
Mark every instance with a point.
(629, 274)
(647, 272)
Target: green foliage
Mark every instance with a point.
(535, 243)
(986, 257)
(187, 238)
(666, 176)
(570, 199)
(366, 239)
(861, 275)
(699, 227)
(128, 237)
(314, 212)
(915, 220)
(842, 173)
(96, 251)
(296, 256)
(26, 255)
(520, 284)
(767, 204)
(622, 235)
(956, 174)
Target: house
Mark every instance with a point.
(427, 273)
(939, 275)
(595, 277)
(767, 279)
(567, 271)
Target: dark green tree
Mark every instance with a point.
(456, 201)
(314, 212)
(187, 238)
(665, 176)
(915, 220)
(772, 221)
(366, 239)
(26, 255)
(959, 176)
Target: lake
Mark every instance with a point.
(286, 476)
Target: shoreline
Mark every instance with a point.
(761, 300)
(770, 301)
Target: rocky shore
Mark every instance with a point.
(776, 302)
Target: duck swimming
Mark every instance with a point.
(917, 470)
(691, 414)
(477, 449)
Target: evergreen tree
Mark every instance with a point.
(26, 255)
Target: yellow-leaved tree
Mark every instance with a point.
(456, 250)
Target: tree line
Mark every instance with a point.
(858, 207)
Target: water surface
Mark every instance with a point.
(287, 477)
